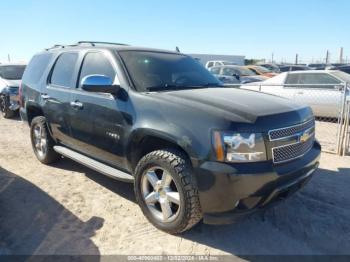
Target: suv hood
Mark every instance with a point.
(232, 103)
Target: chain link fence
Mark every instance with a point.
(330, 104)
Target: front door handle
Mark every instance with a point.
(45, 96)
(76, 104)
(300, 93)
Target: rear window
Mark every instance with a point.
(36, 68)
(63, 72)
(12, 72)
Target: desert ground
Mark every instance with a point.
(69, 209)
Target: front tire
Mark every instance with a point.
(42, 142)
(166, 191)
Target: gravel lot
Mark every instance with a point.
(69, 209)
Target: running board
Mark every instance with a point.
(95, 165)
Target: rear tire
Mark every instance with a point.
(42, 142)
(6, 112)
(166, 191)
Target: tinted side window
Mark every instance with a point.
(293, 79)
(318, 79)
(254, 70)
(36, 68)
(63, 72)
(96, 64)
(227, 71)
(210, 64)
(215, 70)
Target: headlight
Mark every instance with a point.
(239, 147)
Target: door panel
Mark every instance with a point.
(98, 126)
(56, 97)
(97, 122)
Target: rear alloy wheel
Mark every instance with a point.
(42, 142)
(166, 191)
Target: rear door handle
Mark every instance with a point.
(76, 104)
(300, 93)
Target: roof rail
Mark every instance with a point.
(93, 43)
(55, 46)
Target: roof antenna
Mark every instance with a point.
(177, 49)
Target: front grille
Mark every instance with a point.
(282, 133)
(292, 142)
(289, 152)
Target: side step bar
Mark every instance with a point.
(95, 165)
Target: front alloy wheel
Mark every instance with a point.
(161, 194)
(166, 190)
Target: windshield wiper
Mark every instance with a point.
(168, 87)
(165, 87)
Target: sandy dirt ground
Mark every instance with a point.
(69, 209)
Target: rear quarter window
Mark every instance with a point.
(36, 68)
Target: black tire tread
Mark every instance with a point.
(178, 161)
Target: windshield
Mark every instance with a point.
(263, 69)
(156, 71)
(246, 71)
(13, 72)
(228, 63)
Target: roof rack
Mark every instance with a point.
(93, 43)
(55, 46)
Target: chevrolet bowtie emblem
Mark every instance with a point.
(304, 137)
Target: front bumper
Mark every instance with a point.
(230, 191)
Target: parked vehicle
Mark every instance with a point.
(262, 71)
(324, 93)
(235, 74)
(319, 66)
(288, 68)
(272, 67)
(10, 79)
(160, 120)
(210, 64)
(344, 68)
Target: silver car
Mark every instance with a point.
(10, 79)
(322, 90)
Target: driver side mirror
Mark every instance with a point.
(99, 84)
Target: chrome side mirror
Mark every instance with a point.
(99, 84)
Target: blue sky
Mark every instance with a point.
(251, 28)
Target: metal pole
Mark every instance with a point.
(327, 57)
(347, 132)
(341, 122)
(341, 55)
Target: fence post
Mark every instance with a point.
(342, 125)
(346, 129)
